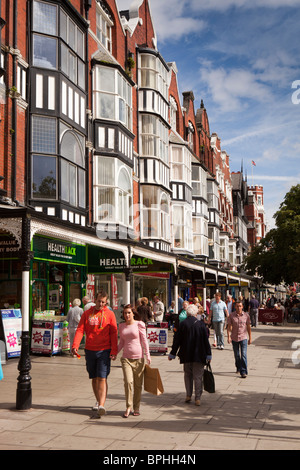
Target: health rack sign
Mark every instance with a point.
(48, 249)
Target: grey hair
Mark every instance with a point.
(76, 303)
(192, 310)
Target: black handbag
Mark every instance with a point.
(208, 379)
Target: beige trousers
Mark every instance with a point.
(133, 374)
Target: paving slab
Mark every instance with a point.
(261, 412)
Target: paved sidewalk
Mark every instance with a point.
(257, 413)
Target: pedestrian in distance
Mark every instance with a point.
(87, 303)
(133, 342)
(193, 348)
(238, 329)
(217, 315)
(73, 319)
(253, 310)
(158, 309)
(144, 310)
(100, 326)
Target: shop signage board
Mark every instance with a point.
(157, 336)
(9, 246)
(103, 260)
(12, 331)
(46, 337)
(49, 249)
(144, 264)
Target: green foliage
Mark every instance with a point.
(277, 257)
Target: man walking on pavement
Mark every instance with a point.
(100, 325)
(218, 312)
(238, 327)
(253, 310)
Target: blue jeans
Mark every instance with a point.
(240, 354)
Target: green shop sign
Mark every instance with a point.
(49, 249)
(103, 260)
(144, 264)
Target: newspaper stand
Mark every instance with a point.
(157, 336)
(47, 335)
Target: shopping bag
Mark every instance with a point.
(152, 381)
(208, 379)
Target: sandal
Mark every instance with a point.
(136, 413)
(126, 414)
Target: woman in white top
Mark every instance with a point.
(73, 318)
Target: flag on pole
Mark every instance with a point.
(253, 163)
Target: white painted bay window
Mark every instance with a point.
(113, 191)
(182, 227)
(113, 96)
(181, 164)
(154, 137)
(153, 74)
(155, 213)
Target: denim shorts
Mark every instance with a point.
(97, 363)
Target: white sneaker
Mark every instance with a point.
(96, 406)
(101, 411)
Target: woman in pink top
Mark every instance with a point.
(134, 343)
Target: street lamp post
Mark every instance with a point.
(24, 392)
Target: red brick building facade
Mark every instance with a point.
(109, 179)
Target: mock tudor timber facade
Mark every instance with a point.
(99, 156)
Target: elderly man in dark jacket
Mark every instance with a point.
(194, 352)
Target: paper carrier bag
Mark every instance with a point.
(152, 381)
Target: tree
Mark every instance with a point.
(277, 257)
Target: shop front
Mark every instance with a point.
(10, 271)
(151, 277)
(58, 274)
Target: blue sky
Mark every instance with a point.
(242, 57)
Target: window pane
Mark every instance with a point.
(106, 106)
(72, 67)
(106, 79)
(73, 185)
(43, 135)
(43, 177)
(71, 149)
(80, 42)
(81, 188)
(106, 204)
(64, 180)
(106, 171)
(64, 58)
(44, 18)
(122, 110)
(64, 26)
(44, 51)
(81, 74)
(72, 35)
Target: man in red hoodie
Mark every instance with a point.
(101, 345)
